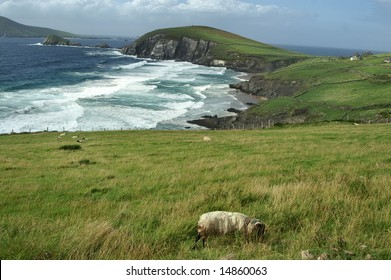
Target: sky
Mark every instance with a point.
(358, 24)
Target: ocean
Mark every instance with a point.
(326, 51)
(61, 88)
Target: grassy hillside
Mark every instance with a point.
(11, 28)
(334, 89)
(138, 194)
(230, 45)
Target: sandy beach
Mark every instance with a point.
(245, 98)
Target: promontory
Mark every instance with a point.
(212, 47)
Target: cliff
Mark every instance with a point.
(211, 47)
(184, 49)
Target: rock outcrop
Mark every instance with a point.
(268, 88)
(54, 40)
(103, 46)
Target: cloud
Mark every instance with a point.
(134, 16)
(146, 7)
(225, 7)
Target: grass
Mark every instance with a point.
(70, 147)
(139, 194)
(334, 89)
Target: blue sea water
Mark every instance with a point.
(89, 88)
(326, 51)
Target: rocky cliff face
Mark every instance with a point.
(268, 88)
(198, 51)
(185, 49)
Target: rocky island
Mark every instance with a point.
(54, 40)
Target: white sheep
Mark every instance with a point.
(207, 139)
(221, 223)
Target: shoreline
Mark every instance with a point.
(248, 100)
(245, 98)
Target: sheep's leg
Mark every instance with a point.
(261, 232)
(204, 241)
(246, 233)
(247, 237)
(198, 237)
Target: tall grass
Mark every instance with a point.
(139, 194)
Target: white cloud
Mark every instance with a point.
(113, 7)
(133, 16)
(226, 7)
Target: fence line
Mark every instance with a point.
(251, 126)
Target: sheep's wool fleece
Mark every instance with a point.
(220, 222)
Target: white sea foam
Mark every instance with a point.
(145, 94)
(103, 52)
(130, 66)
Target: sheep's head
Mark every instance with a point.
(256, 228)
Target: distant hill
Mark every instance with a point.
(10, 28)
(213, 47)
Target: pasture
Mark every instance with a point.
(333, 89)
(139, 194)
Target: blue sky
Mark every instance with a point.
(361, 24)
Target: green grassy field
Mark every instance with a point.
(139, 194)
(334, 89)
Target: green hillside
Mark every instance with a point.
(330, 89)
(139, 194)
(10, 28)
(229, 45)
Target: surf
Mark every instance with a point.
(99, 89)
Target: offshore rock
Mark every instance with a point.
(54, 40)
(103, 46)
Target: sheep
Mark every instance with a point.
(207, 139)
(222, 222)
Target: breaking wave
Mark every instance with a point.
(97, 89)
